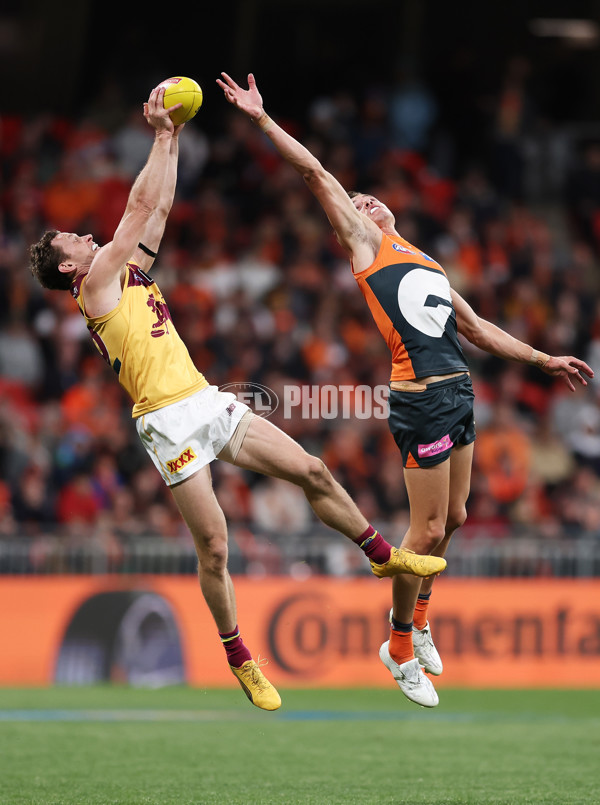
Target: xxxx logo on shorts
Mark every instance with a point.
(177, 463)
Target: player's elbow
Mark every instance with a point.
(163, 209)
(144, 205)
(315, 176)
(473, 332)
(147, 207)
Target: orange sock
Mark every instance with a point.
(420, 616)
(401, 646)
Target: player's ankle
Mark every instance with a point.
(401, 645)
(373, 545)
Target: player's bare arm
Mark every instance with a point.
(493, 339)
(155, 228)
(360, 237)
(103, 285)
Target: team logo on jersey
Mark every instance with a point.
(425, 301)
(177, 463)
(160, 326)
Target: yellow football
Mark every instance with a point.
(186, 91)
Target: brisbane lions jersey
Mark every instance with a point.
(408, 294)
(137, 338)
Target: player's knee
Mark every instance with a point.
(211, 548)
(431, 536)
(457, 517)
(315, 475)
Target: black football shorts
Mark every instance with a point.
(428, 424)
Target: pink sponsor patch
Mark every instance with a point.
(435, 447)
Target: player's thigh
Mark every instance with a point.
(270, 451)
(200, 508)
(461, 462)
(428, 490)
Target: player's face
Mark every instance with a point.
(374, 209)
(78, 248)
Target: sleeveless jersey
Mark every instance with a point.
(408, 294)
(138, 340)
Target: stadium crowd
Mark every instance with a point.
(261, 292)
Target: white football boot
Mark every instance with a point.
(424, 648)
(410, 678)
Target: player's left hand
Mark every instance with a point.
(569, 368)
(247, 100)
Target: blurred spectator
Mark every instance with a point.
(32, 503)
(279, 508)
(503, 455)
(584, 436)
(261, 291)
(77, 505)
(582, 195)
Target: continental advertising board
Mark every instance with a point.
(322, 632)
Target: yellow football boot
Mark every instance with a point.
(256, 686)
(403, 560)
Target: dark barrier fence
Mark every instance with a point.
(476, 554)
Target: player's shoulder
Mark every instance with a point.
(136, 276)
(401, 246)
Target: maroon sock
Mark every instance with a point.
(374, 546)
(237, 653)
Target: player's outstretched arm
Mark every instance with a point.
(155, 228)
(493, 339)
(351, 228)
(143, 201)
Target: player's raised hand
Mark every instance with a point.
(569, 369)
(247, 100)
(155, 113)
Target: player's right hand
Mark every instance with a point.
(155, 113)
(247, 100)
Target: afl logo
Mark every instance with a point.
(261, 399)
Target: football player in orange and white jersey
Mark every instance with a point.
(431, 396)
(183, 422)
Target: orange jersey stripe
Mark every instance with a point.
(401, 364)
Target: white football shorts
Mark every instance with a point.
(185, 436)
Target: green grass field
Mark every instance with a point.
(178, 746)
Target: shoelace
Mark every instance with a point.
(414, 678)
(257, 676)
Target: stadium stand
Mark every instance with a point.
(261, 292)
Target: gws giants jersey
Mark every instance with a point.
(408, 294)
(138, 340)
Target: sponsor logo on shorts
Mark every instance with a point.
(177, 463)
(261, 400)
(445, 443)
